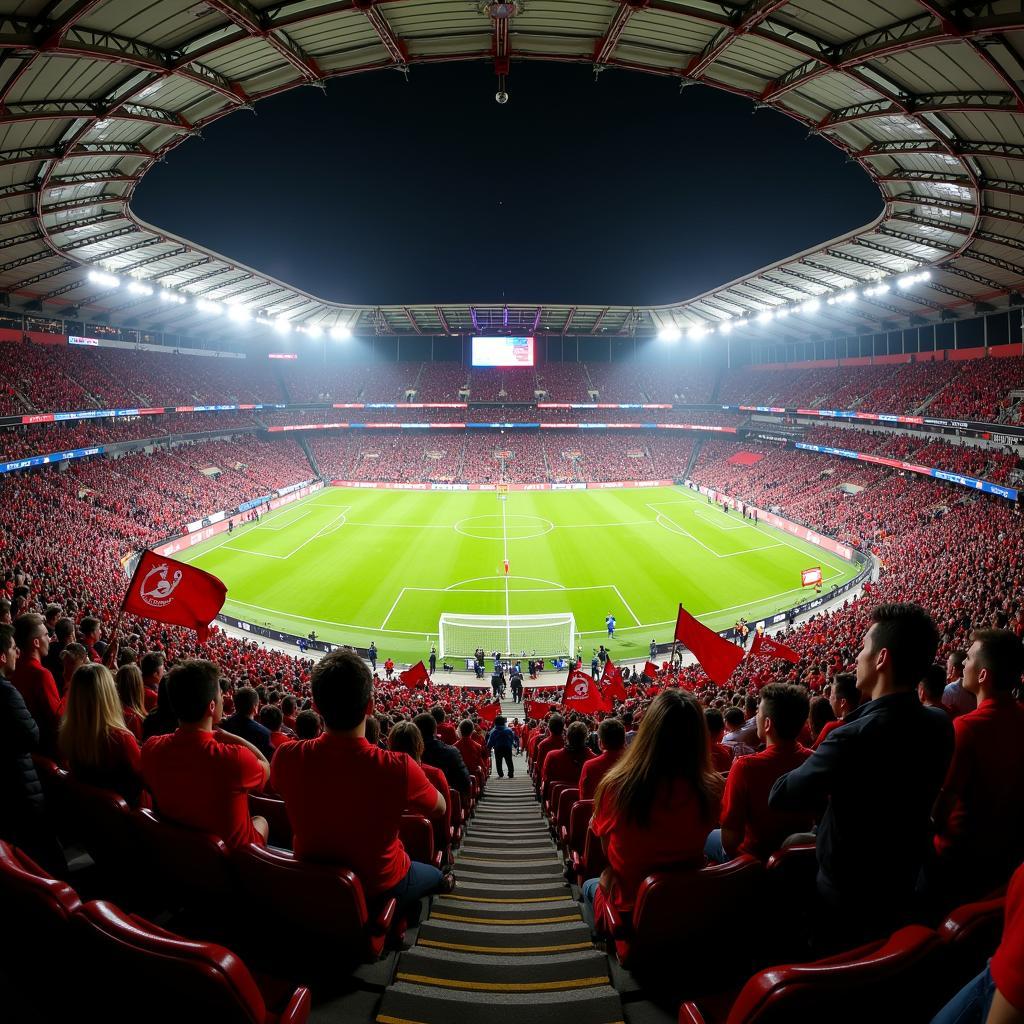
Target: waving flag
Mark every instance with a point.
(166, 590)
(582, 694)
(651, 670)
(538, 709)
(611, 680)
(412, 677)
(489, 712)
(716, 655)
(810, 577)
(766, 647)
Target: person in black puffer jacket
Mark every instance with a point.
(22, 809)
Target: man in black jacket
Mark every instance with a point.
(878, 777)
(441, 755)
(22, 809)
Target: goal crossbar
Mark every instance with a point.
(544, 636)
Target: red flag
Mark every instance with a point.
(166, 590)
(651, 670)
(652, 691)
(538, 709)
(769, 648)
(611, 679)
(582, 694)
(489, 712)
(414, 676)
(716, 655)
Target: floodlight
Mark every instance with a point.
(207, 306)
(341, 332)
(138, 288)
(314, 330)
(104, 279)
(282, 325)
(670, 333)
(239, 313)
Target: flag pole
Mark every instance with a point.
(115, 628)
(675, 643)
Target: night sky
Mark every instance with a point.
(621, 191)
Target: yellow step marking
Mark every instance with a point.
(500, 986)
(505, 920)
(459, 947)
(518, 899)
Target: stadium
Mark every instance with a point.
(417, 661)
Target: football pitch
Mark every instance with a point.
(361, 565)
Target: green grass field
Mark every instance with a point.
(361, 565)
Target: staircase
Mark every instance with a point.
(694, 455)
(310, 456)
(509, 946)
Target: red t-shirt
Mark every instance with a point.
(721, 757)
(200, 782)
(448, 734)
(595, 770)
(1008, 964)
(673, 838)
(149, 698)
(471, 754)
(345, 799)
(134, 723)
(986, 815)
(436, 778)
(826, 729)
(561, 766)
(120, 770)
(745, 804)
(35, 684)
(545, 747)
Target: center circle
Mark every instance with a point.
(495, 527)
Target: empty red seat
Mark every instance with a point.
(193, 868)
(157, 976)
(889, 980)
(316, 912)
(575, 838)
(566, 800)
(970, 936)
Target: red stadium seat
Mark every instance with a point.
(970, 935)
(790, 874)
(315, 911)
(575, 840)
(458, 818)
(890, 980)
(272, 808)
(157, 976)
(550, 797)
(193, 867)
(417, 835)
(563, 808)
(684, 920)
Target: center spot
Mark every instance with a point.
(494, 527)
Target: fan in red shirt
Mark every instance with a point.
(611, 736)
(152, 666)
(655, 808)
(34, 682)
(345, 798)
(471, 751)
(721, 755)
(979, 814)
(554, 740)
(445, 730)
(406, 738)
(566, 764)
(845, 698)
(748, 825)
(199, 776)
(97, 746)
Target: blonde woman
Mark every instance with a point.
(95, 743)
(132, 694)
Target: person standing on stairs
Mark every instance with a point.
(502, 740)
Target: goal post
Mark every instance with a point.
(542, 636)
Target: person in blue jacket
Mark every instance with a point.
(502, 740)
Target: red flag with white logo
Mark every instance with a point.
(769, 648)
(582, 694)
(166, 590)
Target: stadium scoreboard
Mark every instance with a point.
(503, 351)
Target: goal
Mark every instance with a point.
(543, 636)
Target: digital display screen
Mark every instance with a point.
(503, 351)
(75, 340)
(283, 355)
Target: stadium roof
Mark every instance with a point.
(928, 98)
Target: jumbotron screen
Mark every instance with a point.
(503, 351)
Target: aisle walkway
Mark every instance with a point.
(509, 945)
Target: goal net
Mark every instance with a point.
(542, 636)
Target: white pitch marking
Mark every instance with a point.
(394, 606)
(625, 604)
